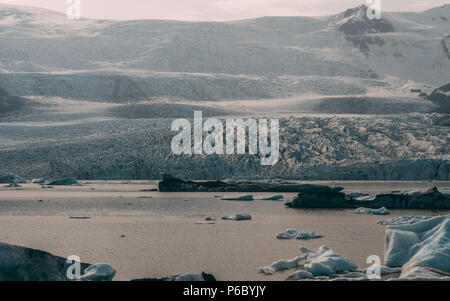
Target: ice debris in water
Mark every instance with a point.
(422, 249)
(381, 211)
(291, 234)
(411, 219)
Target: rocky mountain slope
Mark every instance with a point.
(44, 53)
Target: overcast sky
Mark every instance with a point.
(219, 10)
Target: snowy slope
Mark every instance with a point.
(285, 54)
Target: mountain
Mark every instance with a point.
(44, 53)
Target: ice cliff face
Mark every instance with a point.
(404, 147)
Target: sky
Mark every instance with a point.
(218, 10)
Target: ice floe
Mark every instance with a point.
(381, 211)
(295, 234)
(422, 249)
(238, 217)
(248, 197)
(323, 262)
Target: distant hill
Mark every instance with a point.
(270, 57)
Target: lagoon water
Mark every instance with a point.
(151, 234)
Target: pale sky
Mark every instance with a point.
(218, 10)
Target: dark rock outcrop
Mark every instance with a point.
(10, 179)
(319, 199)
(359, 23)
(173, 184)
(184, 277)
(430, 199)
(25, 264)
(358, 27)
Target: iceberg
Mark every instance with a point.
(238, 217)
(26, 264)
(238, 198)
(291, 234)
(320, 263)
(325, 262)
(381, 211)
(422, 249)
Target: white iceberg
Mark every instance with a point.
(402, 220)
(294, 234)
(238, 198)
(421, 249)
(321, 263)
(325, 262)
(238, 217)
(381, 211)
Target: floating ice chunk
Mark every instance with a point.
(291, 234)
(300, 275)
(238, 217)
(421, 249)
(270, 198)
(281, 265)
(99, 272)
(381, 211)
(325, 262)
(238, 198)
(412, 219)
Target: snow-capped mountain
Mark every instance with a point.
(44, 53)
(393, 72)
